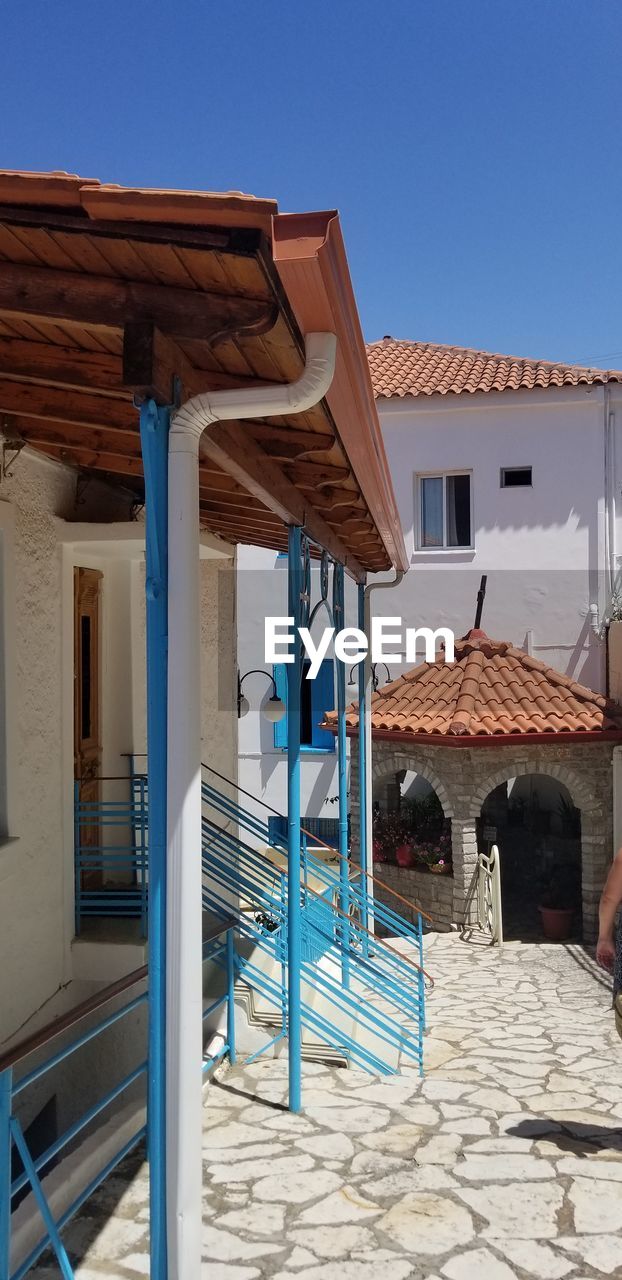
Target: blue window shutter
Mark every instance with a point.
(323, 700)
(279, 672)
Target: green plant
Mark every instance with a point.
(615, 608)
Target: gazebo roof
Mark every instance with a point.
(492, 690)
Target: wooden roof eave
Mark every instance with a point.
(73, 403)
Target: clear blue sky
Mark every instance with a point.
(473, 147)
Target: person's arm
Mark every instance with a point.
(610, 900)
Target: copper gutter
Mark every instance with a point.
(406, 738)
(310, 257)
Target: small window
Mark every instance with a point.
(513, 477)
(445, 510)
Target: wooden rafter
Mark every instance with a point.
(105, 303)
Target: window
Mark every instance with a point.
(513, 477)
(317, 697)
(445, 510)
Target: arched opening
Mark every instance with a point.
(411, 828)
(536, 826)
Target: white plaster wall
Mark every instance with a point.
(33, 908)
(543, 548)
(36, 865)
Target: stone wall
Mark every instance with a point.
(432, 893)
(464, 776)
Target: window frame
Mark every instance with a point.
(503, 471)
(440, 474)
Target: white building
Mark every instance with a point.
(501, 466)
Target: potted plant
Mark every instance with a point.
(555, 907)
(405, 854)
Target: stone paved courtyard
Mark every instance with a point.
(505, 1161)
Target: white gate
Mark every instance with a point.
(489, 896)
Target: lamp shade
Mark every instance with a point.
(274, 709)
(244, 706)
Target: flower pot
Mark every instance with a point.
(440, 869)
(556, 922)
(404, 855)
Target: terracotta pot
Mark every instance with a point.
(404, 855)
(556, 922)
(438, 870)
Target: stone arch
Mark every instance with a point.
(392, 763)
(595, 835)
(580, 793)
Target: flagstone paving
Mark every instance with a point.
(504, 1163)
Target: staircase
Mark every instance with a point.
(363, 998)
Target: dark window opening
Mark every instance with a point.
(513, 477)
(85, 669)
(458, 511)
(306, 708)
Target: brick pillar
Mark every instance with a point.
(464, 850)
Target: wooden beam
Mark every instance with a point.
(90, 460)
(104, 303)
(237, 453)
(270, 438)
(317, 474)
(62, 405)
(119, 444)
(64, 366)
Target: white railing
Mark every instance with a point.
(489, 896)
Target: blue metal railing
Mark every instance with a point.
(385, 994)
(12, 1138)
(219, 948)
(110, 850)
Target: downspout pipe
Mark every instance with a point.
(184, 996)
(367, 862)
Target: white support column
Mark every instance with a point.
(184, 1032)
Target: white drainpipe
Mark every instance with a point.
(374, 586)
(184, 1044)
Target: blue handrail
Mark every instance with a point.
(219, 947)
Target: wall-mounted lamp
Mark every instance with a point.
(273, 710)
(375, 679)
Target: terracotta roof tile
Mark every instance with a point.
(491, 688)
(402, 368)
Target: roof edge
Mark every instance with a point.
(310, 257)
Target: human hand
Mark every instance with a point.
(606, 953)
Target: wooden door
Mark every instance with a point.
(87, 706)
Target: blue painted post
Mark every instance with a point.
(6, 1085)
(154, 430)
(365, 837)
(344, 871)
(231, 996)
(294, 675)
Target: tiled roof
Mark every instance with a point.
(401, 368)
(491, 688)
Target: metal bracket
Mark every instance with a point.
(11, 446)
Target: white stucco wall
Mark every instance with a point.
(33, 880)
(543, 548)
(36, 864)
